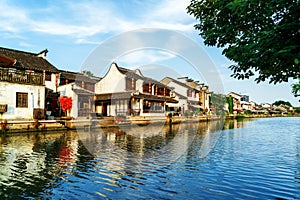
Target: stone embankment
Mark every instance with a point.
(26, 126)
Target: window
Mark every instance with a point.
(147, 88)
(168, 92)
(130, 83)
(47, 77)
(189, 93)
(22, 100)
(90, 87)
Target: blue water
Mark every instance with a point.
(249, 159)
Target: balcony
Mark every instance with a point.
(21, 77)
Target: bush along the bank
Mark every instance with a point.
(248, 112)
(188, 114)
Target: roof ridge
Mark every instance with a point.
(180, 83)
(20, 51)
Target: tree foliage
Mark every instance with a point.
(218, 101)
(280, 102)
(261, 36)
(296, 89)
(88, 73)
(230, 104)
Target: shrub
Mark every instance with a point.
(248, 112)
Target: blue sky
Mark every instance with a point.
(72, 30)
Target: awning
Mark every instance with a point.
(150, 97)
(83, 92)
(128, 95)
(110, 96)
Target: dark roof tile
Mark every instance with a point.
(75, 76)
(27, 60)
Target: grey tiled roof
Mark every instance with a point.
(132, 74)
(76, 76)
(27, 60)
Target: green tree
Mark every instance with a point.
(88, 73)
(296, 89)
(218, 102)
(230, 104)
(278, 103)
(261, 36)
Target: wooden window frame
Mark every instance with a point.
(21, 100)
(48, 76)
(130, 83)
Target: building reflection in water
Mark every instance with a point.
(141, 148)
(34, 163)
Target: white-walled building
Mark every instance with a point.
(241, 102)
(191, 94)
(23, 76)
(80, 87)
(127, 92)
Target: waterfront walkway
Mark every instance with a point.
(23, 126)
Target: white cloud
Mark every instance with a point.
(143, 57)
(82, 20)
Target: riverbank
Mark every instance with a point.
(28, 126)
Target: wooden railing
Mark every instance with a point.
(84, 112)
(153, 111)
(22, 77)
(126, 112)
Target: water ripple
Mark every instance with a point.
(258, 160)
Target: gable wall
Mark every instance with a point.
(114, 81)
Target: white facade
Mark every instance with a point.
(191, 100)
(82, 100)
(51, 84)
(66, 90)
(205, 98)
(266, 105)
(113, 81)
(124, 92)
(8, 95)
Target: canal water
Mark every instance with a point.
(246, 159)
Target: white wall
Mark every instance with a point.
(51, 84)
(139, 85)
(66, 90)
(113, 81)
(206, 101)
(178, 89)
(8, 95)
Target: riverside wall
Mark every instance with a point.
(27, 126)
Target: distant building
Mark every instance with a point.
(266, 105)
(241, 102)
(245, 98)
(191, 94)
